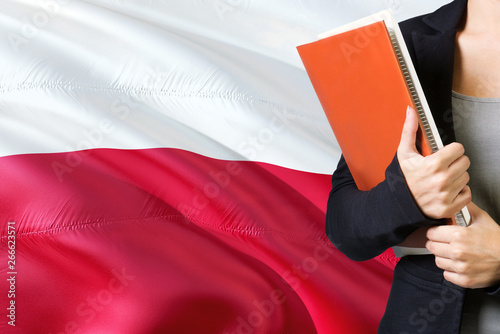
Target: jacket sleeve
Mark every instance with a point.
(363, 224)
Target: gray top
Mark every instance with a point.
(477, 127)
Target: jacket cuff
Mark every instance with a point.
(402, 195)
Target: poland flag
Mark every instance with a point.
(165, 167)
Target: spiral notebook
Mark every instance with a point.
(364, 78)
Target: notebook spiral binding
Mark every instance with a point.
(459, 217)
(411, 87)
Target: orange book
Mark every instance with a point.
(363, 76)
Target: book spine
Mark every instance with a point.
(409, 81)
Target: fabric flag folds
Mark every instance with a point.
(164, 168)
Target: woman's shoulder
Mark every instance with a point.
(446, 18)
(416, 23)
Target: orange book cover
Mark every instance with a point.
(363, 77)
(363, 91)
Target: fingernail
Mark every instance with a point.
(408, 110)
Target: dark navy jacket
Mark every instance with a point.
(363, 224)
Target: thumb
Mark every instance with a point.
(409, 134)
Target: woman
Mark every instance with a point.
(455, 290)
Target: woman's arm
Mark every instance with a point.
(363, 224)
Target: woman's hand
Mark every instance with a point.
(438, 182)
(469, 256)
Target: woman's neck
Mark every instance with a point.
(477, 65)
(483, 17)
